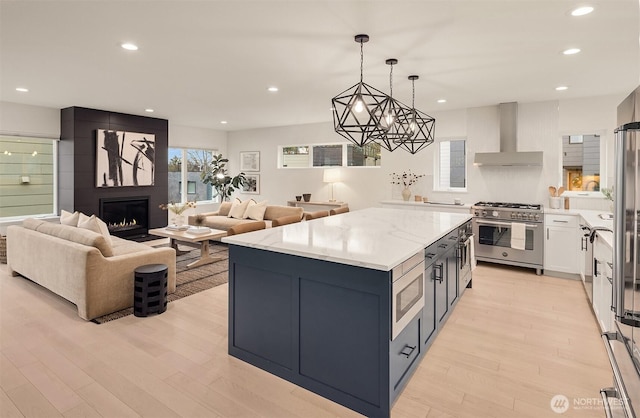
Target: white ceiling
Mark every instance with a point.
(201, 62)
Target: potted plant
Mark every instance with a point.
(217, 175)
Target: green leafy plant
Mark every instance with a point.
(217, 175)
(608, 193)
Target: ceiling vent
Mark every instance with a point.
(509, 155)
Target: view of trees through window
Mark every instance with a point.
(189, 182)
(327, 155)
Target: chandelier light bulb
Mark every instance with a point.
(359, 106)
(220, 175)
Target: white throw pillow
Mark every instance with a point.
(238, 209)
(97, 225)
(256, 211)
(68, 218)
(83, 218)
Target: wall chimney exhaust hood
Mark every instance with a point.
(508, 155)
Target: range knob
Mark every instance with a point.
(513, 215)
(484, 213)
(494, 214)
(537, 217)
(519, 215)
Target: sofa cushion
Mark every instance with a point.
(96, 224)
(32, 223)
(274, 212)
(256, 211)
(224, 208)
(68, 218)
(79, 235)
(123, 246)
(238, 209)
(223, 222)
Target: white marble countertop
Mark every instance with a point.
(376, 238)
(592, 218)
(443, 205)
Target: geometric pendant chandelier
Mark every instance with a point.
(357, 110)
(363, 114)
(421, 126)
(393, 118)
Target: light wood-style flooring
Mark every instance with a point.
(513, 342)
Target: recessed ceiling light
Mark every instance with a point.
(442, 100)
(273, 89)
(149, 110)
(581, 11)
(561, 88)
(22, 89)
(129, 46)
(224, 122)
(571, 51)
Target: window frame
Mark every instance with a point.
(55, 150)
(184, 174)
(436, 166)
(345, 154)
(604, 167)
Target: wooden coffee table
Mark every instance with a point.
(193, 240)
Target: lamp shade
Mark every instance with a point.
(331, 175)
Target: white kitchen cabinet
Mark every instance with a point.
(562, 243)
(602, 287)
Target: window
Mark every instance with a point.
(27, 176)
(195, 161)
(451, 165)
(329, 155)
(366, 156)
(581, 162)
(296, 157)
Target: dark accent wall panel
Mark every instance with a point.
(77, 161)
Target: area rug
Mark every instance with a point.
(189, 280)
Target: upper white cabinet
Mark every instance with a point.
(562, 243)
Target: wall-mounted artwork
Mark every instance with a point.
(124, 158)
(250, 161)
(252, 185)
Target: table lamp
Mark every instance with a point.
(331, 175)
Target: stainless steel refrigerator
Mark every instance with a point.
(623, 345)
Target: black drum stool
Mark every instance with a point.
(150, 289)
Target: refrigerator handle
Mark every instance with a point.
(617, 376)
(619, 224)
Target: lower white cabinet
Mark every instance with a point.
(602, 284)
(562, 243)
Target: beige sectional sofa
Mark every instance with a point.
(220, 219)
(85, 267)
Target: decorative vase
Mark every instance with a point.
(406, 193)
(178, 220)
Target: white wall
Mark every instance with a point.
(27, 120)
(540, 127)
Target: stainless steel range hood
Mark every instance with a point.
(508, 155)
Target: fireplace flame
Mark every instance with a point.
(123, 224)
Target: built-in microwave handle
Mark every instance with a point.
(617, 376)
(503, 223)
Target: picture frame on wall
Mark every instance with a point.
(252, 185)
(250, 161)
(124, 158)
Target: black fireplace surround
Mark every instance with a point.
(126, 217)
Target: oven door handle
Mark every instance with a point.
(503, 223)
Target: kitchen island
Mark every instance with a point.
(317, 303)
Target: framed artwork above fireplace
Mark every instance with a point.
(124, 158)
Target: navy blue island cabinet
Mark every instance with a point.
(329, 326)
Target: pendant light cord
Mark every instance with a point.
(361, 60)
(413, 97)
(391, 82)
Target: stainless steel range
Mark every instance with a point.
(509, 233)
